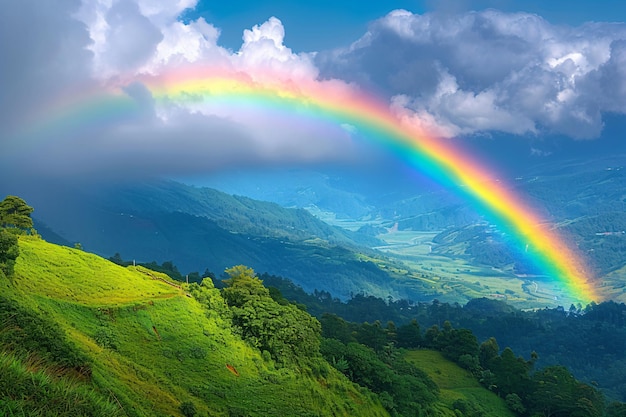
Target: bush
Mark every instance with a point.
(188, 409)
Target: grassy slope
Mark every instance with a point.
(456, 384)
(160, 346)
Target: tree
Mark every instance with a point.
(286, 332)
(459, 343)
(409, 335)
(15, 213)
(557, 393)
(511, 373)
(243, 286)
(489, 350)
(334, 327)
(9, 251)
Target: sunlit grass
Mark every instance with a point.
(456, 383)
(151, 347)
(28, 387)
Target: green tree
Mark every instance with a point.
(9, 251)
(334, 327)
(511, 373)
(514, 402)
(409, 335)
(459, 342)
(372, 335)
(286, 332)
(488, 351)
(15, 213)
(557, 393)
(243, 286)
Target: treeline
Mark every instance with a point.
(590, 340)
(370, 354)
(551, 391)
(289, 336)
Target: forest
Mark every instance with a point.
(70, 333)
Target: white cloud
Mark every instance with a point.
(479, 71)
(450, 74)
(103, 43)
(263, 51)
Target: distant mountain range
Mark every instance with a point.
(202, 228)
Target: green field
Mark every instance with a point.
(455, 279)
(458, 388)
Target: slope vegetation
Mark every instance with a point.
(459, 389)
(144, 346)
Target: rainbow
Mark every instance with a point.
(392, 129)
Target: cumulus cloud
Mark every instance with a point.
(104, 43)
(491, 71)
(449, 74)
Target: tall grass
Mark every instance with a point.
(28, 387)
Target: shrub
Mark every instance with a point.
(188, 409)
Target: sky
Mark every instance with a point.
(95, 87)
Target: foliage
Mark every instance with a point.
(458, 388)
(188, 409)
(286, 332)
(9, 251)
(403, 389)
(15, 214)
(151, 346)
(31, 388)
(557, 393)
(590, 341)
(26, 332)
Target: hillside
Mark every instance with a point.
(82, 336)
(458, 387)
(201, 228)
(148, 347)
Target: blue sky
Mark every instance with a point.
(314, 25)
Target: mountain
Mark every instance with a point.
(201, 228)
(429, 243)
(583, 197)
(83, 336)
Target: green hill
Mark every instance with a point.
(458, 388)
(200, 228)
(126, 341)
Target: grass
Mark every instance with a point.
(151, 347)
(455, 279)
(30, 388)
(457, 384)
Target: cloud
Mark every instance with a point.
(474, 72)
(43, 53)
(104, 43)
(130, 38)
(458, 73)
